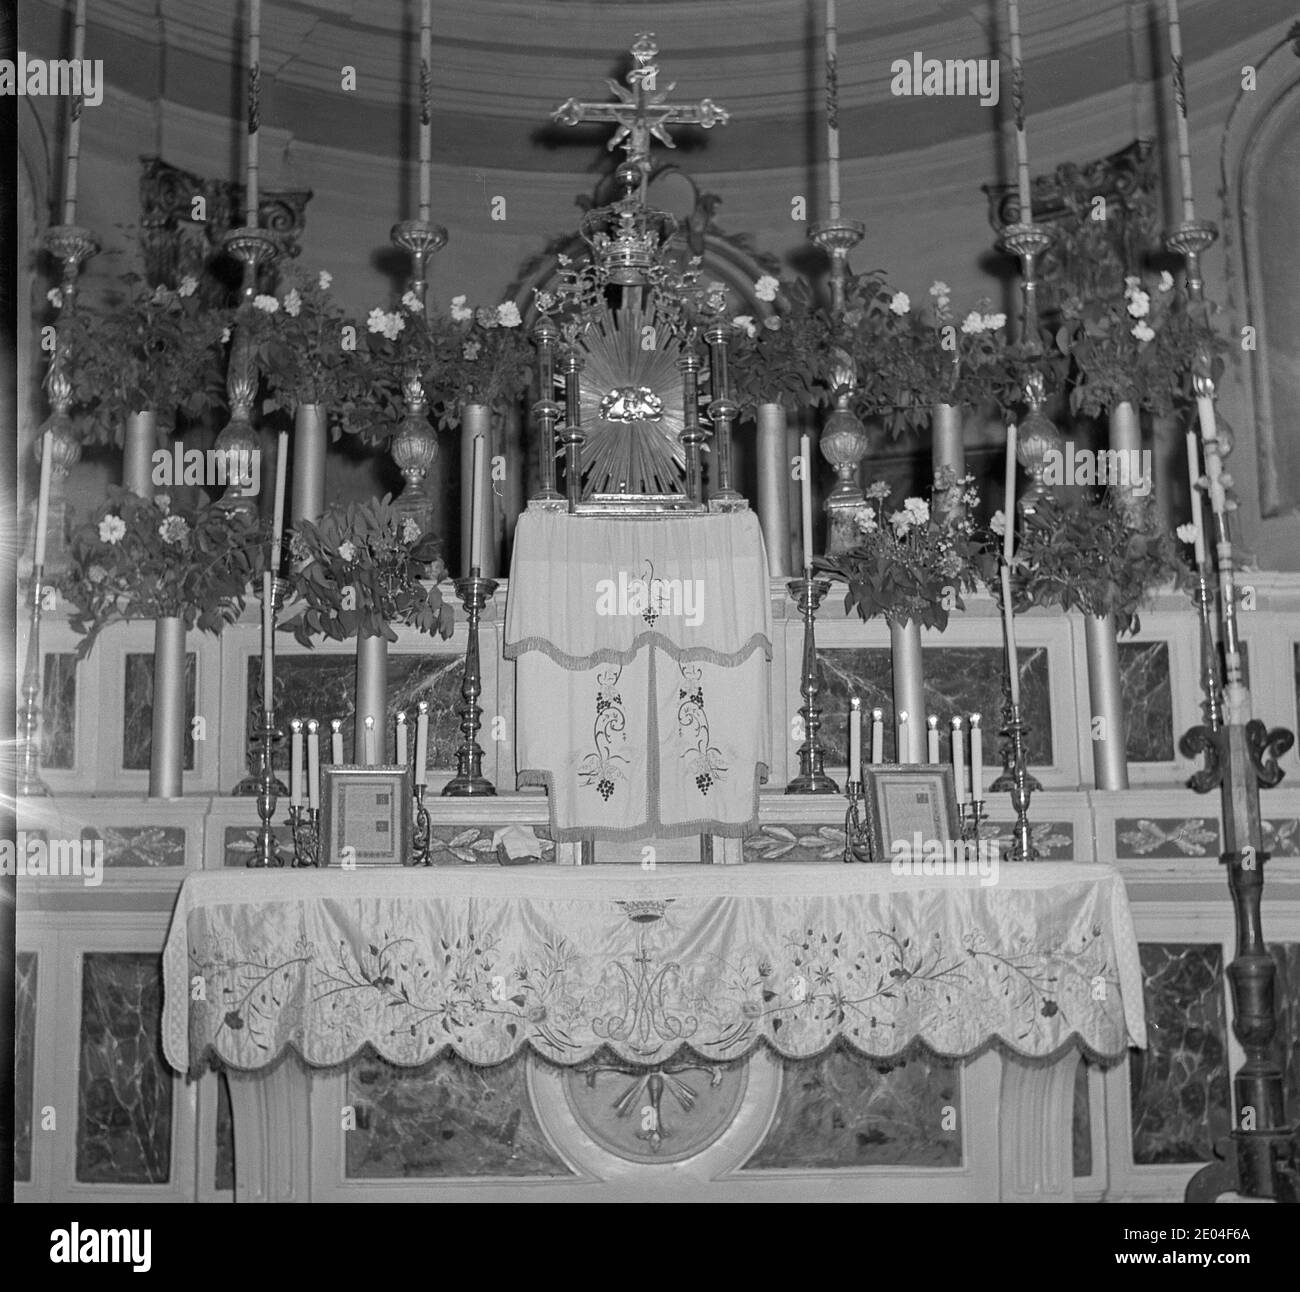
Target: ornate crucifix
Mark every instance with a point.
(642, 112)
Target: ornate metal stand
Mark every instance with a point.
(254, 782)
(269, 789)
(422, 831)
(1023, 785)
(1007, 752)
(972, 817)
(859, 840)
(304, 822)
(29, 763)
(469, 781)
(547, 412)
(812, 778)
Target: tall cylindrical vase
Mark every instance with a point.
(137, 453)
(909, 687)
(774, 489)
(476, 420)
(372, 697)
(167, 752)
(1109, 760)
(310, 438)
(1124, 466)
(948, 451)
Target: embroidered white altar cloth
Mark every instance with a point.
(486, 961)
(642, 649)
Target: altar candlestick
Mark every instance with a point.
(976, 757)
(43, 496)
(1180, 113)
(1017, 91)
(932, 739)
(1009, 496)
(74, 121)
(368, 741)
(1009, 630)
(1198, 519)
(268, 642)
(855, 739)
(252, 202)
(295, 763)
(832, 112)
(426, 124)
(877, 736)
(805, 495)
(277, 521)
(336, 741)
(401, 739)
(476, 509)
(958, 758)
(422, 744)
(313, 763)
(904, 751)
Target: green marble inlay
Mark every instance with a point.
(1148, 703)
(1178, 1086)
(124, 1107)
(25, 969)
(449, 1118)
(223, 1176)
(59, 710)
(137, 720)
(838, 1109)
(1081, 1127)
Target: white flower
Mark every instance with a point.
(412, 302)
(994, 321)
(1166, 283)
(900, 303)
(1132, 283)
(865, 519)
(347, 551)
(396, 323)
(973, 323)
(389, 324)
(1143, 332)
(877, 490)
(324, 280)
(293, 303)
(460, 312)
(225, 335)
(1139, 303)
(267, 304)
(55, 297)
(1186, 533)
(508, 314)
(376, 320)
(745, 323)
(998, 523)
(938, 289)
(173, 530)
(902, 521)
(163, 501)
(189, 285)
(766, 288)
(410, 531)
(918, 509)
(470, 350)
(112, 529)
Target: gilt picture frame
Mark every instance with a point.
(365, 815)
(908, 806)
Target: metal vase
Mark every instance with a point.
(909, 687)
(947, 448)
(167, 754)
(774, 489)
(372, 696)
(1109, 763)
(1126, 438)
(137, 453)
(476, 419)
(310, 438)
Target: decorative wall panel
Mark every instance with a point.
(137, 711)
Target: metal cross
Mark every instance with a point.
(642, 113)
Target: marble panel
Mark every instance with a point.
(1167, 837)
(137, 720)
(1081, 1124)
(140, 845)
(1148, 703)
(25, 975)
(1280, 836)
(124, 1105)
(58, 710)
(223, 1175)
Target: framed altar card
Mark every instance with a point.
(365, 815)
(910, 805)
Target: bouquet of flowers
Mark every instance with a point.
(363, 568)
(482, 356)
(781, 358)
(143, 558)
(911, 564)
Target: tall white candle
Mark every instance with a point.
(368, 741)
(932, 739)
(1198, 518)
(832, 111)
(904, 751)
(43, 497)
(313, 763)
(336, 741)
(422, 744)
(1180, 110)
(805, 496)
(1009, 631)
(254, 64)
(476, 508)
(401, 739)
(1022, 140)
(426, 124)
(277, 520)
(268, 643)
(855, 739)
(877, 736)
(958, 758)
(74, 123)
(295, 763)
(1009, 495)
(976, 757)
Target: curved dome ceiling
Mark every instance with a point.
(500, 67)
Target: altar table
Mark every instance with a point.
(485, 961)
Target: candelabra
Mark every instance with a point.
(422, 832)
(304, 824)
(812, 778)
(859, 831)
(469, 781)
(971, 817)
(268, 790)
(1006, 779)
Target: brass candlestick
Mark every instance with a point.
(1023, 785)
(304, 822)
(422, 833)
(812, 778)
(971, 817)
(469, 781)
(859, 838)
(269, 789)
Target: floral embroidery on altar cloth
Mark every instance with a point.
(704, 759)
(600, 768)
